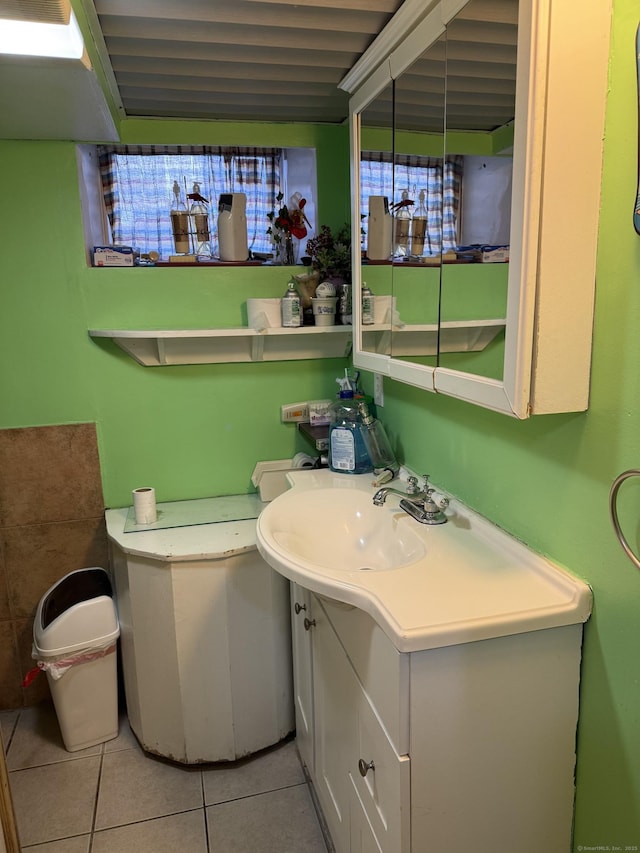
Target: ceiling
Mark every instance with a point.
(248, 60)
(258, 60)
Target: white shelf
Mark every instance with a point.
(422, 339)
(160, 347)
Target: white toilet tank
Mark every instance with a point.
(205, 639)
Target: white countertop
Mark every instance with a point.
(475, 582)
(187, 542)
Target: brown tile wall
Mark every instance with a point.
(51, 522)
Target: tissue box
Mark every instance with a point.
(112, 256)
(495, 254)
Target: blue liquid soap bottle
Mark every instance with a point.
(347, 451)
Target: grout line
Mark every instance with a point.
(97, 797)
(204, 814)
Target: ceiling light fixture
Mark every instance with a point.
(30, 38)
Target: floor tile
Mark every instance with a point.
(80, 844)
(7, 725)
(278, 822)
(37, 740)
(184, 832)
(277, 768)
(126, 738)
(55, 801)
(136, 787)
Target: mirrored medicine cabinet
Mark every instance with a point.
(505, 99)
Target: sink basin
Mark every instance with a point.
(340, 530)
(426, 587)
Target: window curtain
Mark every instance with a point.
(138, 181)
(440, 180)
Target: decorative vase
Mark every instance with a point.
(287, 251)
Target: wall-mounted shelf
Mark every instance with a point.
(422, 339)
(158, 347)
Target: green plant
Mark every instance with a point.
(331, 253)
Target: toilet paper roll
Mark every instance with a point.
(144, 505)
(303, 460)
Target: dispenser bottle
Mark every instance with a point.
(419, 226)
(179, 221)
(403, 226)
(385, 464)
(290, 309)
(347, 451)
(199, 215)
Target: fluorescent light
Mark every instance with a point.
(26, 38)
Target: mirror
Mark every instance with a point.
(481, 84)
(376, 196)
(543, 298)
(453, 129)
(419, 116)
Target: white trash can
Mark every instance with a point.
(75, 636)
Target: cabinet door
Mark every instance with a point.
(301, 609)
(335, 687)
(362, 836)
(381, 779)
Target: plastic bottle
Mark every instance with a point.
(347, 451)
(290, 310)
(376, 441)
(367, 305)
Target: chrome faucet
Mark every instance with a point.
(418, 503)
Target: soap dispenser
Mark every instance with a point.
(383, 460)
(347, 451)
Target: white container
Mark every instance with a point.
(324, 310)
(75, 635)
(263, 313)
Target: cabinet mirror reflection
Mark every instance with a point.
(435, 196)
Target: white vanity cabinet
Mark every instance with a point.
(465, 747)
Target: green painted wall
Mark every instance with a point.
(194, 431)
(547, 480)
(188, 431)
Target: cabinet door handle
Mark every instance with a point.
(364, 768)
(298, 607)
(308, 623)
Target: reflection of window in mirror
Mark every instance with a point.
(138, 185)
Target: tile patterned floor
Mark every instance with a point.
(114, 798)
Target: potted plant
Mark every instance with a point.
(331, 253)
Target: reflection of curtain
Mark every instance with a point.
(415, 173)
(138, 180)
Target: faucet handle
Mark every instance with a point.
(412, 486)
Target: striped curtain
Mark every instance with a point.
(138, 181)
(441, 182)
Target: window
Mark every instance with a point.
(439, 180)
(138, 189)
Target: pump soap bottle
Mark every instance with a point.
(347, 451)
